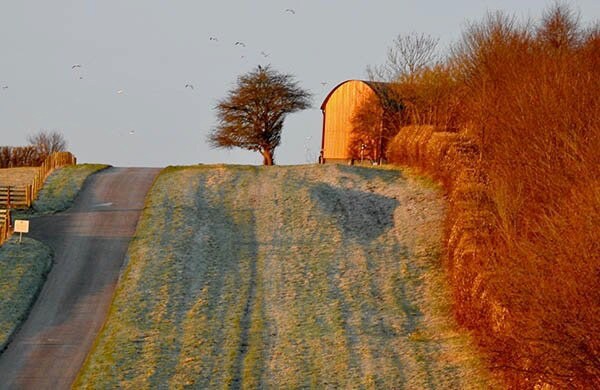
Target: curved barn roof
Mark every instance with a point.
(384, 91)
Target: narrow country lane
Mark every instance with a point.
(90, 242)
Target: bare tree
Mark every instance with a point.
(251, 116)
(560, 27)
(20, 156)
(409, 55)
(47, 142)
(374, 123)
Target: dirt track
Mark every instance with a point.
(90, 241)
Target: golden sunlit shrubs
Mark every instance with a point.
(523, 182)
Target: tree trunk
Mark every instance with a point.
(267, 157)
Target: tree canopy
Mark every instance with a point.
(47, 142)
(251, 116)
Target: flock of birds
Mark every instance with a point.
(78, 67)
(242, 44)
(264, 54)
(211, 38)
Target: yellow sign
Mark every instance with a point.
(21, 226)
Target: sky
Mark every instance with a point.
(127, 105)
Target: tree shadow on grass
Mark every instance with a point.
(363, 216)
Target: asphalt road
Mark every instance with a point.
(90, 241)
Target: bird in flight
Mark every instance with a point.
(131, 132)
(242, 44)
(291, 11)
(76, 66)
(262, 53)
(189, 86)
(213, 39)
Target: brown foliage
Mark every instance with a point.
(41, 145)
(523, 228)
(433, 96)
(366, 133)
(374, 125)
(251, 116)
(20, 156)
(48, 142)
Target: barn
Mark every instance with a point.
(338, 110)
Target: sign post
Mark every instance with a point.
(21, 226)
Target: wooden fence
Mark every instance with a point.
(16, 197)
(53, 161)
(4, 225)
(23, 196)
(12, 197)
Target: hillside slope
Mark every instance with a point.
(284, 277)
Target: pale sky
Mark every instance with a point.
(151, 49)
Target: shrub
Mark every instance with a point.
(20, 156)
(523, 227)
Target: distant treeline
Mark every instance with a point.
(41, 145)
(21, 156)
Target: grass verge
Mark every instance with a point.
(62, 186)
(23, 270)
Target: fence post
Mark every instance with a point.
(34, 187)
(28, 195)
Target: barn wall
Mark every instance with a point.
(338, 111)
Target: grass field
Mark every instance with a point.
(17, 176)
(285, 277)
(23, 268)
(62, 186)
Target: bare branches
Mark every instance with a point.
(20, 156)
(374, 123)
(251, 116)
(408, 55)
(41, 144)
(560, 28)
(47, 142)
